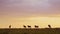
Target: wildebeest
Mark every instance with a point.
(36, 26)
(29, 26)
(9, 26)
(49, 26)
(24, 26)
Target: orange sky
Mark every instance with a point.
(29, 12)
(20, 21)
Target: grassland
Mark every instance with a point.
(29, 31)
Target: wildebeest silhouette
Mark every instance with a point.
(29, 26)
(49, 26)
(36, 26)
(9, 26)
(24, 26)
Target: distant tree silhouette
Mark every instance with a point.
(24, 26)
(9, 26)
(49, 26)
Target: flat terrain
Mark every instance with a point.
(29, 31)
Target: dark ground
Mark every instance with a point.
(29, 31)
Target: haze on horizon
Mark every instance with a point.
(29, 12)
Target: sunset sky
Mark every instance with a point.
(29, 12)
